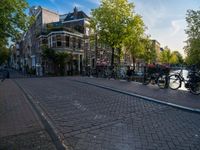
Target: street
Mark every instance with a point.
(99, 75)
(93, 118)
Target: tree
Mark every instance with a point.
(13, 19)
(168, 57)
(149, 54)
(4, 55)
(49, 54)
(173, 58)
(57, 59)
(193, 42)
(61, 61)
(165, 55)
(135, 42)
(112, 21)
(179, 57)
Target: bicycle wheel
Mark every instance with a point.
(147, 79)
(174, 82)
(195, 88)
(162, 81)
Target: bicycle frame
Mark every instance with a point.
(183, 80)
(180, 76)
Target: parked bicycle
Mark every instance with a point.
(192, 84)
(156, 75)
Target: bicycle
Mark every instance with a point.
(156, 76)
(192, 84)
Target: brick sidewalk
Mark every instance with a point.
(19, 126)
(183, 98)
(93, 118)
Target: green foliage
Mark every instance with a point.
(114, 21)
(168, 57)
(4, 55)
(149, 51)
(49, 54)
(173, 59)
(110, 20)
(179, 57)
(13, 19)
(59, 59)
(135, 42)
(193, 42)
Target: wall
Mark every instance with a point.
(48, 17)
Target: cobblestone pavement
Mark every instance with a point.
(92, 118)
(37, 140)
(183, 98)
(20, 129)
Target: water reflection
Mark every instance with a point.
(184, 74)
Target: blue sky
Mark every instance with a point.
(165, 19)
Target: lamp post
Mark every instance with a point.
(86, 53)
(96, 49)
(96, 53)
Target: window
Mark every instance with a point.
(67, 41)
(53, 41)
(58, 41)
(49, 42)
(74, 43)
(79, 43)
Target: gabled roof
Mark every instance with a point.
(75, 15)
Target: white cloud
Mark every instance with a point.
(151, 15)
(177, 26)
(163, 25)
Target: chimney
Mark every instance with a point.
(75, 12)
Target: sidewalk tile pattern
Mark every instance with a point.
(92, 118)
(19, 126)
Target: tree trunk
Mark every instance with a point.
(112, 58)
(133, 59)
(96, 51)
(119, 53)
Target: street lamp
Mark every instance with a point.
(96, 53)
(96, 49)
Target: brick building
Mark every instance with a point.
(63, 33)
(156, 46)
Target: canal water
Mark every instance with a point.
(185, 74)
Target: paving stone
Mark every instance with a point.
(37, 140)
(183, 98)
(20, 128)
(94, 118)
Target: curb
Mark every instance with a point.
(142, 97)
(56, 139)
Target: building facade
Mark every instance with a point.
(156, 46)
(61, 33)
(67, 33)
